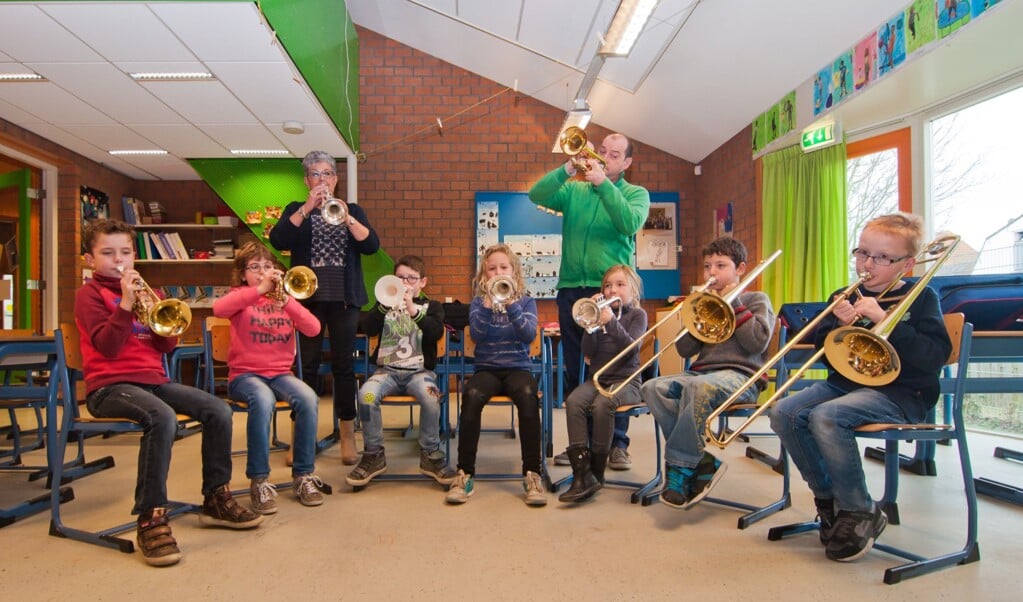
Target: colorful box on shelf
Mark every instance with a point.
(227, 220)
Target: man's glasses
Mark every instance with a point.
(409, 279)
(322, 174)
(259, 267)
(881, 260)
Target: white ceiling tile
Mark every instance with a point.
(270, 90)
(501, 18)
(449, 7)
(120, 31)
(29, 34)
(110, 137)
(222, 31)
(163, 167)
(47, 101)
(316, 137)
(237, 136)
(79, 145)
(103, 85)
(182, 140)
(202, 101)
(560, 29)
(16, 114)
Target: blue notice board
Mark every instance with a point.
(535, 234)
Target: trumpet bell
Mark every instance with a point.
(170, 317)
(389, 291)
(334, 211)
(501, 289)
(300, 282)
(573, 143)
(586, 313)
(708, 317)
(862, 356)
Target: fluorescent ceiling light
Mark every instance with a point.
(172, 76)
(256, 151)
(628, 23)
(21, 77)
(579, 116)
(138, 152)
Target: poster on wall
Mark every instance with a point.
(656, 247)
(865, 61)
(891, 45)
(920, 25)
(952, 14)
(842, 78)
(723, 224)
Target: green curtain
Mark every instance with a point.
(804, 200)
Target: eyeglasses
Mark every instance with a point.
(257, 267)
(322, 174)
(409, 279)
(880, 260)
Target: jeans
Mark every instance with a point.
(421, 384)
(341, 321)
(586, 408)
(816, 427)
(155, 409)
(521, 387)
(261, 395)
(681, 404)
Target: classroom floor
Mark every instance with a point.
(399, 540)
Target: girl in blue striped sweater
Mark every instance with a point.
(502, 331)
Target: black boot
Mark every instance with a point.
(598, 462)
(584, 484)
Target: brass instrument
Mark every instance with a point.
(573, 144)
(698, 317)
(334, 211)
(298, 282)
(501, 290)
(861, 355)
(389, 291)
(586, 312)
(165, 317)
(865, 356)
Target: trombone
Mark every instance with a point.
(863, 356)
(165, 317)
(573, 144)
(586, 312)
(698, 310)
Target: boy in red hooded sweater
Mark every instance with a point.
(125, 378)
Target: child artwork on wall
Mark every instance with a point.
(822, 97)
(920, 25)
(865, 61)
(891, 45)
(842, 76)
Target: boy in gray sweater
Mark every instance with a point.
(681, 403)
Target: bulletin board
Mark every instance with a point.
(535, 235)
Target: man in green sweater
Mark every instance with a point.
(602, 213)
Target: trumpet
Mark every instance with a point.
(702, 315)
(334, 211)
(390, 291)
(501, 290)
(165, 317)
(586, 312)
(863, 356)
(573, 144)
(299, 282)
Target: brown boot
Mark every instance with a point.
(349, 453)
(219, 509)
(155, 541)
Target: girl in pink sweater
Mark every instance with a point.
(262, 353)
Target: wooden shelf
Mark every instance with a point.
(173, 261)
(181, 226)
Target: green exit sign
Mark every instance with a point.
(820, 136)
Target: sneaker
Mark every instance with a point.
(460, 489)
(826, 517)
(371, 465)
(262, 494)
(157, 544)
(854, 534)
(619, 459)
(433, 464)
(219, 509)
(676, 490)
(309, 489)
(532, 484)
(562, 459)
(708, 472)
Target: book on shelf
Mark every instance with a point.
(179, 245)
(156, 244)
(140, 245)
